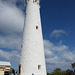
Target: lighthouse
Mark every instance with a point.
(32, 58)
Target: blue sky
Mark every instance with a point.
(59, 14)
(58, 28)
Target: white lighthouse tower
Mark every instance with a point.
(32, 59)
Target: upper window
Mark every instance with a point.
(36, 27)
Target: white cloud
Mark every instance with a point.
(12, 56)
(19, 3)
(11, 18)
(11, 27)
(10, 41)
(58, 56)
(57, 33)
(10, 1)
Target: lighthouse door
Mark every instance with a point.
(19, 69)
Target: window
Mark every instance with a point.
(39, 67)
(36, 27)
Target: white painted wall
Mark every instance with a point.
(1, 72)
(32, 52)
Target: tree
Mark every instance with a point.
(48, 73)
(57, 71)
(73, 66)
(69, 72)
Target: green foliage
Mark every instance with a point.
(58, 71)
(48, 74)
(73, 66)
